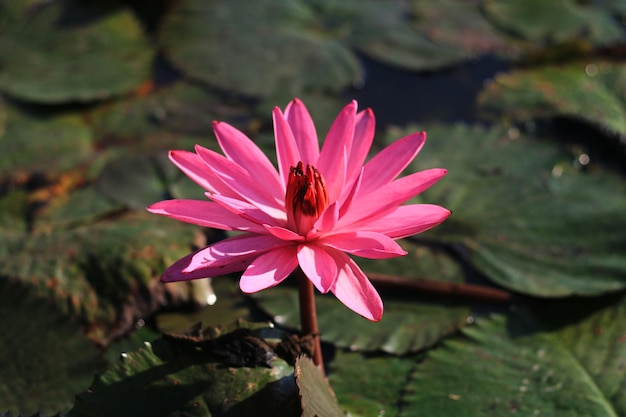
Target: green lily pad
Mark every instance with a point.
(42, 143)
(522, 217)
(593, 92)
(181, 108)
(516, 365)
(177, 375)
(71, 51)
(386, 32)
(556, 21)
(255, 48)
(46, 359)
(106, 274)
(370, 385)
(462, 24)
(409, 323)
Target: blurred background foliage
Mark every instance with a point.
(513, 305)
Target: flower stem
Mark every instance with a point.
(308, 316)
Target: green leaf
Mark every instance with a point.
(370, 385)
(385, 31)
(317, 398)
(522, 217)
(409, 323)
(516, 365)
(61, 51)
(184, 375)
(556, 21)
(38, 143)
(461, 24)
(106, 274)
(45, 357)
(255, 48)
(593, 92)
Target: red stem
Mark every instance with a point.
(308, 316)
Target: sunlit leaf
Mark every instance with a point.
(106, 273)
(523, 218)
(516, 365)
(591, 91)
(254, 48)
(316, 396)
(187, 376)
(68, 50)
(555, 21)
(370, 385)
(42, 143)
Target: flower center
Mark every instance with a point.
(306, 197)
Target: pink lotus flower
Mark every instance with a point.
(315, 211)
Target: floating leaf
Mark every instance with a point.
(184, 376)
(409, 324)
(180, 108)
(370, 385)
(254, 48)
(385, 31)
(106, 273)
(593, 92)
(46, 359)
(44, 143)
(461, 24)
(556, 21)
(67, 50)
(316, 395)
(523, 220)
(515, 365)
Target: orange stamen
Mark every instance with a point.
(306, 197)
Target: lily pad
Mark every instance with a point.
(385, 31)
(556, 21)
(185, 376)
(46, 359)
(180, 108)
(409, 323)
(515, 365)
(522, 217)
(255, 48)
(68, 50)
(106, 274)
(591, 91)
(370, 385)
(42, 143)
(462, 24)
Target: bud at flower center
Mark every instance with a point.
(306, 197)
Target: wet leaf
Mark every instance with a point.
(527, 223)
(105, 274)
(384, 31)
(515, 365)
(591, 91)
(317, 398)
(274, 48)
(370, 385)
(46, 359)
(556, 21)
(68, 50)
(461, 24)
(42, 143)
(184, 376)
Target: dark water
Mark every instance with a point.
(400, 97)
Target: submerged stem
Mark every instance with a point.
(308, 316)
